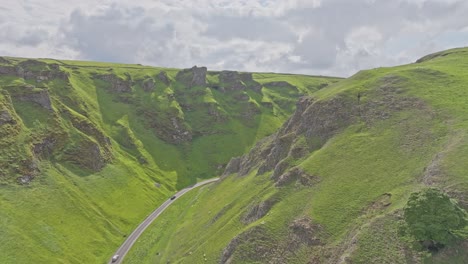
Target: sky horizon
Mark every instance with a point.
(313, 37)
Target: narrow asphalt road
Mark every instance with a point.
(125, 247)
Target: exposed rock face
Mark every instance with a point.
(258, 211)
(87, 127)
(257, 239)
(172, 129)
(231, 81)
(29, 94)
(248, 80)
(6, 118)
(180, 133)
(303, 231)
(118, 85)
(215, 112)
(148, 85)
(35, 70)
(196, 76)
(4, 61)
(281, 84)
(87, 154)
(26, 179)
(295, 174)
(317, 122)
(45, 148)
(162, 76)
(7, 70)
(242, 165)
(250, 111)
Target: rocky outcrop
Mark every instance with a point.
(148, 85)
(8, 70)
(30, 94)
(162, 76)
(244, 164)
(281, 84)
(315, 122)
(117, 84)
(45, 147)
(248, 80)
(90, 129)
(304, 231)
(231, 81)
(6, 118)
(250, 110)
(172, 129)
(215, 112)
(180, 133)
(35, 70)
(258, 211)
(196, 76)
(86, 154)
(256, 238)
(4, 61)
(295, 174)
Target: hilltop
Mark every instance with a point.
(88, 149)
(330, 184)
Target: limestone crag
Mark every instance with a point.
(179, 132)
(231, 81)
(304, 231)
(258, 211)
(35, 70)
(4, 61)
(162, 76)
(315, 122)
(196, 76)
(281, 84)
(28, 93)
(148, 85)
(6, 118)
(117, 84)
(87, 154)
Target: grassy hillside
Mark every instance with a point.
(88, 149)
(329, 186)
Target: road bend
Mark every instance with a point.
(131, 239)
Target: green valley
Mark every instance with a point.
(331, 185)
(88, 149)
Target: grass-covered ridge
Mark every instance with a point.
(340, 171)
(88, 149)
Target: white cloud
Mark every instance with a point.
(336, 37)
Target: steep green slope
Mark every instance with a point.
(329, 186)
(88, 149)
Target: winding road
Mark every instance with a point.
(131, 239)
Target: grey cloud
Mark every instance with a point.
(33, 37)
(338, 37)
(114, 35)
(247, 27)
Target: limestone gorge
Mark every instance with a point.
(313, 169)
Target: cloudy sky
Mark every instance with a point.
(329, 37)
